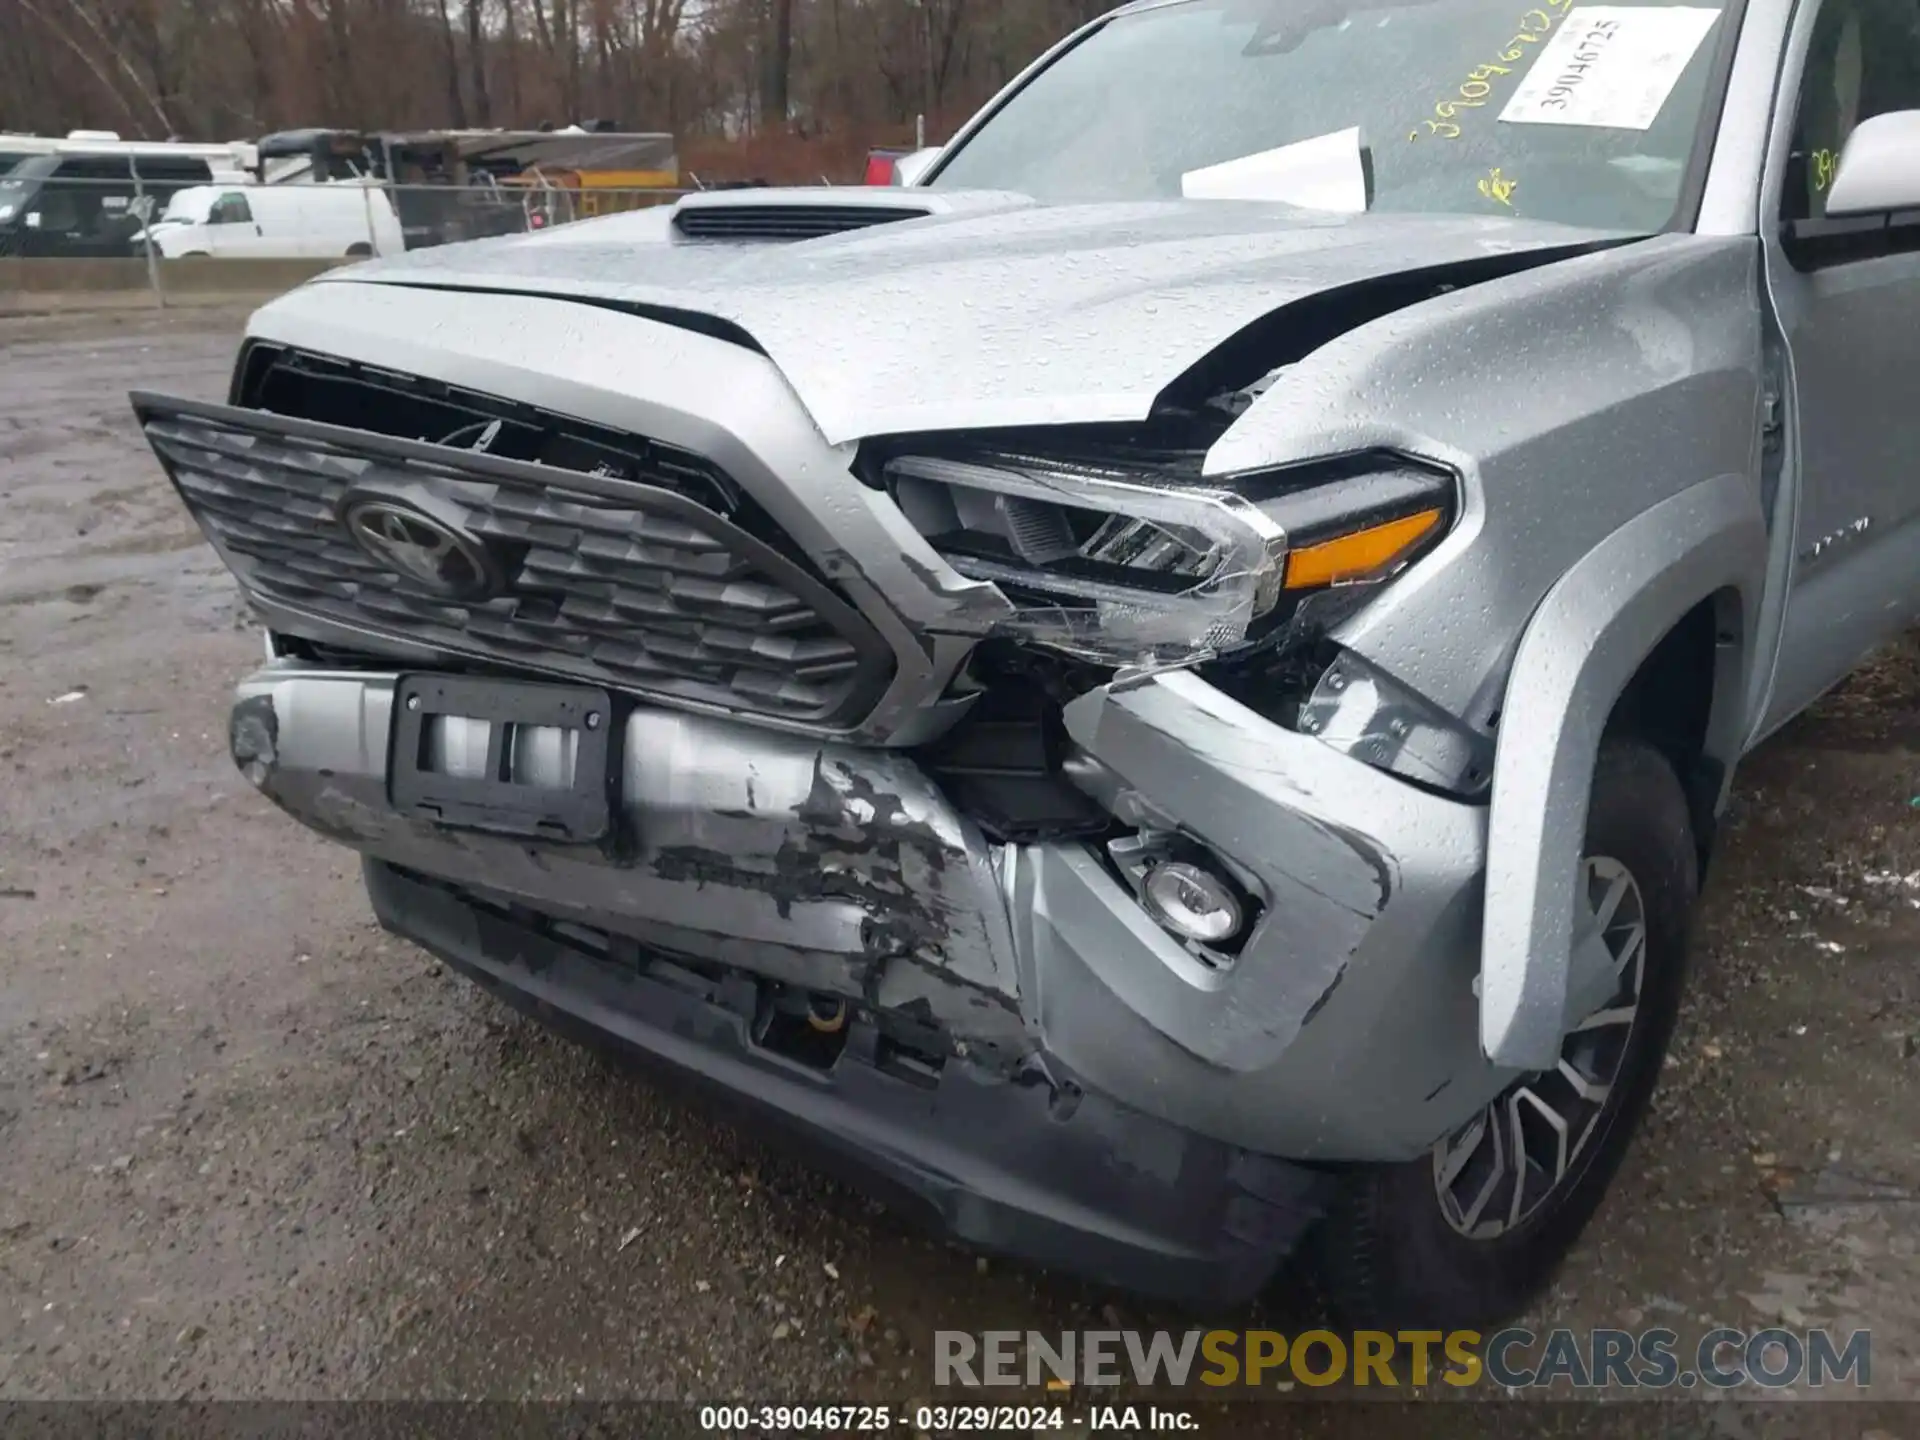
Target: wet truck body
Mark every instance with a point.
(1083, 697)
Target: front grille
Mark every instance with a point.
(785, 222)
(617, 583)
(308, 386)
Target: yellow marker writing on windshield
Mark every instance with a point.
(1476, 89)
(1498, 187)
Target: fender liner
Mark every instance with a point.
(1592, 631)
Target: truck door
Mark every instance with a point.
(161, 178)
(231, 229)
(1848, 303)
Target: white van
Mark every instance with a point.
(296, 221)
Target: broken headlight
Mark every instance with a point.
(1152, 565)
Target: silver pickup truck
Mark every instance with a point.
(1163, 691)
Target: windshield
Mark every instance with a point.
(187, 207)
(1584, 114)
(34, 167)
(19, 181)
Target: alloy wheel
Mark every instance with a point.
(1497, 1170)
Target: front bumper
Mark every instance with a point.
(1108, 1102)
(1345, 1031)
(1040, 1170)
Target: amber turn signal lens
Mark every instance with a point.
(1356, 556)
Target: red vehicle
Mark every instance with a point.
(881, 166)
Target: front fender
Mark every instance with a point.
(1591, 632)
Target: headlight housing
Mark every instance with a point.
(1134, 558)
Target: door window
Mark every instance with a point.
(90, 200)
(230, 209)
(1864, 60)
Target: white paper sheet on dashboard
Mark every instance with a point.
(1610, 65)
(1324, 173)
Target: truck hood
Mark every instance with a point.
(995, 315)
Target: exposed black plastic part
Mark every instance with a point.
(579, 815)
(1039, 1168)
(1156, 451)
(1814, 244)
(309, 386)
(1295, 331)
(1001, 767)
(1373, 496)
(785, 222)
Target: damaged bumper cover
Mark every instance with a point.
(1105, 1101)
(1046, 1172)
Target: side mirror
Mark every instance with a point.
(1879, 169)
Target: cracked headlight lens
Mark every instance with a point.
(1104, 566)
(1141, 567)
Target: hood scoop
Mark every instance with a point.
(786, 216)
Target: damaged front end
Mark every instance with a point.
(993, 808)
(1001, 1031)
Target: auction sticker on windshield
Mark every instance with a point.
(1610, 65)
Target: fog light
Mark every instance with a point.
(1192, 903)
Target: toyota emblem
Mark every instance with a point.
(423, 548)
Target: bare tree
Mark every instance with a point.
(824, 78)
(99, 52)
(944, 21)
(510, 32)
(776, 100)
(477, 63)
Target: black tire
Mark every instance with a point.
(1387, 1254)
(359, 250)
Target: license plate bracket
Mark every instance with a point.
(580, 812)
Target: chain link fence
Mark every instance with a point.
(165, 231)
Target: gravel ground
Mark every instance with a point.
(254, 1148)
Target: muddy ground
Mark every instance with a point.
(252, 1147)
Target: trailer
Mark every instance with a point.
(450, 185)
